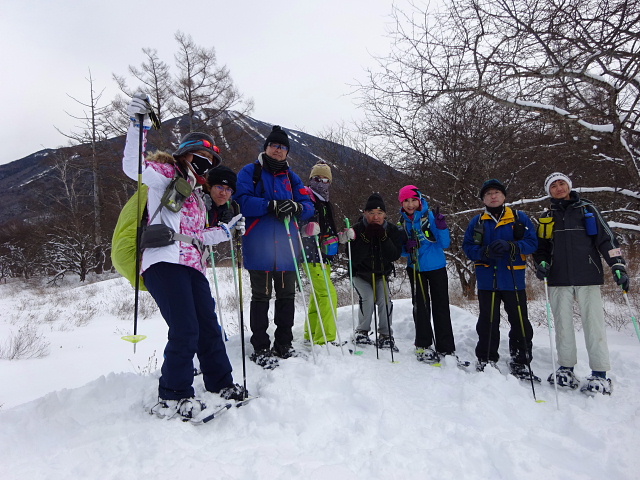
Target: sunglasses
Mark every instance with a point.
(321, 179)
(279, 146)
(224, 189)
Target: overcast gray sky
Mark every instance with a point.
(296, 59)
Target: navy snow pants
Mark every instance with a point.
(184, 298)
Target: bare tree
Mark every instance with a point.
(202, 87)
(94, 128)
(572, 60)
(154, 78)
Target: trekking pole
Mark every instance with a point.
(295, 263)
(493, 306)
(135, 338)
(313, 290)
(326, 282)
(237, 281)
(424, 297)
(550, 325)
(634, 319)
(375, 312)
(524, 336)
(215, 283)
(353, 316)
(385, 289)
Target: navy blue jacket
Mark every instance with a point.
(265, 244)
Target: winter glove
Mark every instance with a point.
(311, 229)
(140, 105)
(346, 235)
(225, 215)
(373, 230)
(411, 245)
(441, 222)
(620, 276)
(240, 226)
(542, 270)
(284, 208)
(497, 249)
(233, 223)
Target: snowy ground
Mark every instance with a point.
(77, 413)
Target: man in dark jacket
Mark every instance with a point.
(572, 237)
(270, 194)
(498, 241)
(377, 245)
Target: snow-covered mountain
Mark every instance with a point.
(77, 413)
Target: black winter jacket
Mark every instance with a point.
(574, 255)
(374, 255)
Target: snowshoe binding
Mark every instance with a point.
(265, 359)
(427, 355)
(361, 337)
(481, 365)
(522, 372)
(186, 408)
(565, 378)
(387, 342)
(234, 392)
(596, 384)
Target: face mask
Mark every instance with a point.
(201, 165)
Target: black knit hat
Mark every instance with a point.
(222, 176)
(375, 201)
(493, 183)
(277, 135)
(194, 141)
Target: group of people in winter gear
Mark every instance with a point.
(279, 218)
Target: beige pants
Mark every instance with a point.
(592, 315)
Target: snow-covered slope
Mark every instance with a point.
(78, 412)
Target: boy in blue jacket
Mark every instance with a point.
(427, 236)
(498, 241)
(269, 192)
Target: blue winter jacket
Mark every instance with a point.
(431, 240)
(265, 245)
(487, 275)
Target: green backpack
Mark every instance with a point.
(124, 241)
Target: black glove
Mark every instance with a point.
(514, 249)
(497, 249)
(374, 230)
(620, 276)
(542, 270)
(284, 208)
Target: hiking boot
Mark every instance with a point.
(427, 355)
(283, 351)
(186, 408)
(596, 384)
(234, 392)
(387, 341)
(361, 337)
(522, 371)
(265, 359)
(481, 364)
(565, 378)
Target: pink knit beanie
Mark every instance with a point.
(409, 191)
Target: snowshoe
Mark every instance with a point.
(286, 351)
(387, 341)
(481, 364)
(565, 378)
(460, 363)
(595, 385)
(185, 408)
(520, 371)
(361, 337)
(234, 392)
(265, 359)
(338, 344)
(427, 355)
